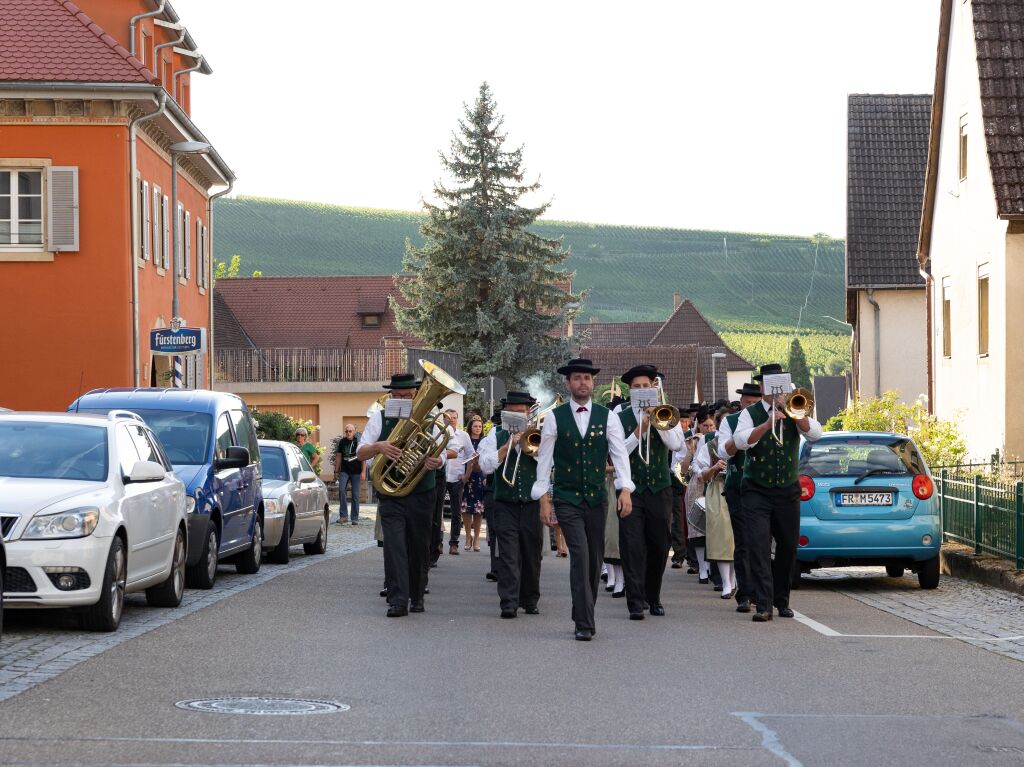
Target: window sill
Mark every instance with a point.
(161, 271)
(202, 291)
(182, 281)
(26, 255)
(983, 356)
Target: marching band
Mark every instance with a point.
(631, 473)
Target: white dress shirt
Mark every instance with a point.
(745, 425)
(371, 433)
(702, 458)
(723, 435)
(616, 448)
(671, 438)
(489, 462)
(463, 446)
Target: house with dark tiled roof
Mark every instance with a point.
(93, 96)
(971, 238)
(887, 147)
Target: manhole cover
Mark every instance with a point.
(258, 706)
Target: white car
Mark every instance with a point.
(295, 506)
(89, 511)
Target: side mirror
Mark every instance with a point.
(236, 458)
(306, 477)
(146, 471)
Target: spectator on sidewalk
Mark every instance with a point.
(460, 443)
(349, 472)
(308, 448)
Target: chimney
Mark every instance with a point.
(677, 300)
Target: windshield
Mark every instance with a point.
(274, 464)
(40, 450)
(857, 456)
(185, 435)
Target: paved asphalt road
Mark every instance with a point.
(458, 686)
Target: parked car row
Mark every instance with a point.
(144, 490)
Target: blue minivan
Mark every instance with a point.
(210, 439)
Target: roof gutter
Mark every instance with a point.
(139, 17)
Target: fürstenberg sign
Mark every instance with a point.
(179, 342)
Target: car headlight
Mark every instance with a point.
(190, 504)
(270, 505)
(73, 523)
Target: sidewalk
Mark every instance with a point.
(960, 561)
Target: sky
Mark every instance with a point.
(688, 114)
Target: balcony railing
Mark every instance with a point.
(326, 365)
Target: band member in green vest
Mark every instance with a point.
(749, 394)
(514, 514)
(770, 491)
(406, 521)
(576, 440)
(645, 535)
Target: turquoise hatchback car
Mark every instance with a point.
(867, 498)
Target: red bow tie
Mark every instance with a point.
(581, 409)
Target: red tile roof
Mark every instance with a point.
(617, 333)
(686, 325)
(311, 312)
(53, 40)
(678, 363)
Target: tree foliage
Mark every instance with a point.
(484, 284)
(224, 270)
(798, 369)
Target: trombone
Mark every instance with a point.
(529, 443)
(798, 404)
(662, 417)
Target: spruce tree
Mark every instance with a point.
(798, 365)
(484, 285)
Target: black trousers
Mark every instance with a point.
(678, 523)
(644, 538)
(405, 523)
(493, 525)
(455, 498)
(437, 525)
(771, 513)
(741, 538)
(583, 528)
(520, 537)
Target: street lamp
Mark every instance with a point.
(714, 378)
(182, 147)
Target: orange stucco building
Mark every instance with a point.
(92, 96)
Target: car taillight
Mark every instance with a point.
(804, 540)
(922, 486)
(806, 488)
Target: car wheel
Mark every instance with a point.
(282, 551)
(319, 546)
(894, 571)
(248, 562)
(170, 592)
(105, 615)
(928, 573)
(203, 573)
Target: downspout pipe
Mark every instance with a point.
(209, 275)
(168, 44)
(878, 341)
(134, 228)
(139, 17)
(174, 78)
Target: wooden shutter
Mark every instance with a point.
(144, 222)
(165, 209)
(206, 258)
(62, 208)
(186, 235)
(155, 233)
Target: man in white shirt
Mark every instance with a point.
(460, 448)
(405, 520)
(770, 493)
(577, 439)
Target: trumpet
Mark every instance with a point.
(798, 404)
(529, 442)
(662, 417)
(415, 435)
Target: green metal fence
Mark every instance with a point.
(982, 512)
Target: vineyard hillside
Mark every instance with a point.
(742, 282)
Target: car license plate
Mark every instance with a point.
(863, 499)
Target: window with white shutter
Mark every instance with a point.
(165, 210)
(62, 208)
(186, 235)
(155, 233)
(206, 258)
(199, 252)
(178, 240)
(144, 225)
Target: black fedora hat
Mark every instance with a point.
(578, 365)
(771, 369)
(518, 398)
(750, 389)
(403, 381)
(650, 371)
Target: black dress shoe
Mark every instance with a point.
(416, 606)
(677, 565)
(609, 588)
(785, 612)
(383, 592)
(426, 591)
(743, 607)
(657, 610)
(691, 570)
(532, 610)
(618, 594)
(604, 577)
(703, 580)
(636, 616)
(397, 612)
(508, 613)
(762, 616)
(584, 635)
(718, 587)
(492, 577)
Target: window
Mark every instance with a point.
(371, 320)
(246, 434)
(983, 310)
(963, 147)
(21, 207)
(156, 233)
(147, 451)
(143, 48)
(202, 268)
(223, 437)
(186, 235)
(165, 211)
(127, 454)
(145, 230)
(947, 317)
(178, 241)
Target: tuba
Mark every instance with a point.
(415, 435)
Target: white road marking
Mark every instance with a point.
(824, 630)
(821, 628)
(769, 738)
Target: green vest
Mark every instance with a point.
(429, 481)
(580, 461)
(768, 463)
(525, 476)
(655, 476)
(734, 471)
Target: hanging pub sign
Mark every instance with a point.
(178, 342)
